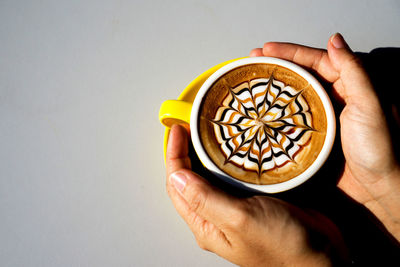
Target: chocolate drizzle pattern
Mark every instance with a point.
(262, 124)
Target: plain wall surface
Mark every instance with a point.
(82, 178)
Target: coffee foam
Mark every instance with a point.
(263, 124)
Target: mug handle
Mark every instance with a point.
(175, 112)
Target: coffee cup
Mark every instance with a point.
(263, 124)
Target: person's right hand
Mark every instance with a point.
(371, 173)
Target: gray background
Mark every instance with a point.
(82, 179)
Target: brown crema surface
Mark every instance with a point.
(219, 91)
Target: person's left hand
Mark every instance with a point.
(255, 231)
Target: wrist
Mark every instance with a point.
(326, 246)
(313, 260)
(385, 203)
(323, 258)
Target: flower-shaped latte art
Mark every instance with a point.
(262, 124)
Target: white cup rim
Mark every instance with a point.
(270, 188)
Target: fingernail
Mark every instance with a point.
(179, 180)
(338, 41)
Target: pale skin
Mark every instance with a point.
(264, 231)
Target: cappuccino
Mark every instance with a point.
(262, 123)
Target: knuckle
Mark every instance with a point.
(241, 216)
(201, 238)
(317, 61)
(193, 218)
(354, 62)
(202, 244)
(269, 47)
(241, 221)
(203, 234)
(197, 199)
(246, 212)
(297, 53)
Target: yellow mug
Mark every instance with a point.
(178, 111)
(186, 108)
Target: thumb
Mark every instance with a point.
(200, 197)
(353, 84)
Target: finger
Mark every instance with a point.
(205, 200)
(256, 52)
(177, 156)
(355, 85)
(311, 58)
(208, 236)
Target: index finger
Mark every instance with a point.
(308, 57)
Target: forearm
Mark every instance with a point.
(386, 207)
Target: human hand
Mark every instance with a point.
(371, 173)
(256, 231)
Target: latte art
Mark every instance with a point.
(262, 124)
